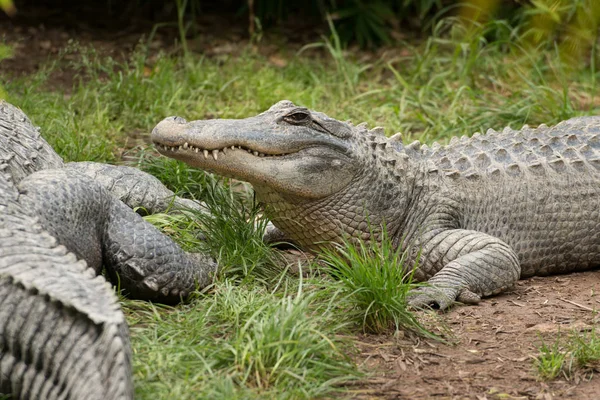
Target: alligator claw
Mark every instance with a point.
(274, 236)
(431, 297)
(441, 298)
(468, 297)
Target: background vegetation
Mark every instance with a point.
(369, 23)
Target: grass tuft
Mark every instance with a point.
(377, 282)
(550, 360)
(580, 352)
(586, 350)
(234, 227)
(286, 343)
(230, 229)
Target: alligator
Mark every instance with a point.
(473, 216)
(62, 332)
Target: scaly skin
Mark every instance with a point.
(480, 213)
(62, 333)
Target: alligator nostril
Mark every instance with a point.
(178, 120)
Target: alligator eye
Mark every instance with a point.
(297, 118)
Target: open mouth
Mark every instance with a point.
(215, 153)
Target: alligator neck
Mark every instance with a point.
(369, 203)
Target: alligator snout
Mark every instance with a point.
(169, 131)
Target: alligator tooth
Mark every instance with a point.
(185, 145)
(261, 155)
(180, 147)
(255, 153)
(205, 153)
(197, 149)
(215, 154)
(224, 150)
(232, 147)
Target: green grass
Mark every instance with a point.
(239, 342)
(234, 229)
(260, 332)
(453, 83)
(550, 360)
(376, 279)
(578, 353)
(231, 227)
(586, 350)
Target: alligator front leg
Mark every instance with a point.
(148, 264)
(465, 265)
(103, 231)
(135, 187)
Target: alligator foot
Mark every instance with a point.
(171, 286)
(441, 298)
(276, 237)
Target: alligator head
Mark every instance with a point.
(317, 177)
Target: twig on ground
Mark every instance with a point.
(577, 304)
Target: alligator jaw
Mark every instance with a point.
(215, 137)
(215, 154)
(270, 155)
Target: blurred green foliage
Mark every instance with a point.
(572, 24)
(8, 7)
(370, 23)
(5, 52)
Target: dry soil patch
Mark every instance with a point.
(494, 350)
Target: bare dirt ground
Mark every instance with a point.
(494, 343)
